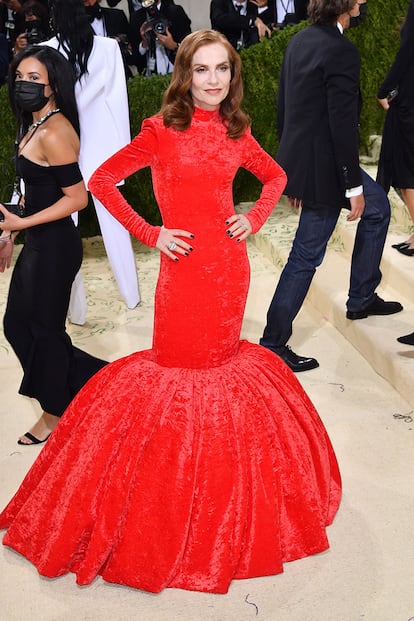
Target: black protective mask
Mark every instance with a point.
(93, 11)
(358, 19)
(30, 96)
(33, 23)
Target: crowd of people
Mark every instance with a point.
(212, 463)
(150, 32)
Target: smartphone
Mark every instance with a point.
(392, 95)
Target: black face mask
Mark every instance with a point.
(33, 23)
(93, 11)
(358, 19)
(30, 96)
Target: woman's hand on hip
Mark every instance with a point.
(169, 243)
(238, 227)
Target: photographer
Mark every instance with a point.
(31, 25)
(8, 14)
(156, 31)
(111, 23)
(290, 12)
(244, 23)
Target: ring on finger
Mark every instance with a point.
(172, 245)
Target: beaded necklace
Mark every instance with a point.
(43, 119)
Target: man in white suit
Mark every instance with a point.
(102, 100)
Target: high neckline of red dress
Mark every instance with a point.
(205, 115)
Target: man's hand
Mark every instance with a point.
(384, 103)
(295, 202)
(259, 3)
(167, 40)
(14, 5)
(357, 207)
(143, 32)
(262, 29)
(20, 43)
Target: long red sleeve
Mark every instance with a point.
(273, 177)
(136, 155)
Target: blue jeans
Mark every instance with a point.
(315, 227)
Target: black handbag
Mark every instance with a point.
(14, 208)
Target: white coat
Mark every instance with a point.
(102, 100)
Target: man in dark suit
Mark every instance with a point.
(111, 23)
(133, 5)
(155, 34)
(106, 22)
(290, 12)
(244, 23)
(318, 115)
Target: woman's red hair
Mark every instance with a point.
(178, 106)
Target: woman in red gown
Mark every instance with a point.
(201, 460)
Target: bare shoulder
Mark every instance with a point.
(59, 141)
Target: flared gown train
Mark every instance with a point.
(201, 460)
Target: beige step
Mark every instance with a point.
(373, 337)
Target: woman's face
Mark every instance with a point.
(211, 76)
(32, 70)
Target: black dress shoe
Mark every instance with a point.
(294, 362)
(408, 339)
(409, 252)
(400, 245)
(377, 307)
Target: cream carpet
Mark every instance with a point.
(368, 572)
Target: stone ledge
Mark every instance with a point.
(374, 337)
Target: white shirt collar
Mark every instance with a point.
(340, 27)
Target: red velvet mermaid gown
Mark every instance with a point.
(201, 460)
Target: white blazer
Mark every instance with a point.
(102, 100)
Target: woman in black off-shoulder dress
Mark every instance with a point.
(37, 305)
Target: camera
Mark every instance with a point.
(34, 35)
(160, 26)
(123, 43)
(290, 19)
(155, 21)
(125, 50)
